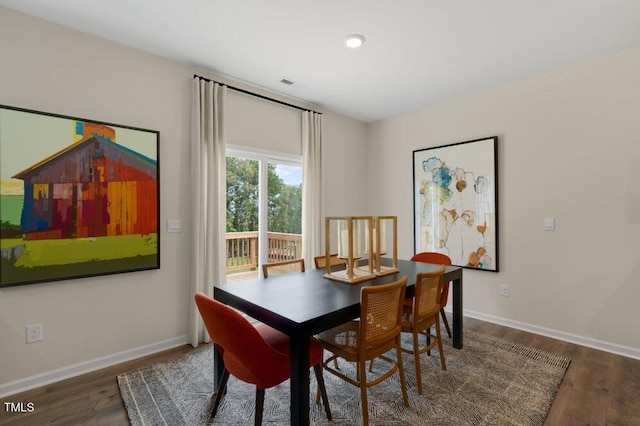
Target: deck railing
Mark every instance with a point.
(242, 249)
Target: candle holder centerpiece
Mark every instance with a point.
(385, 229)
(354, 238)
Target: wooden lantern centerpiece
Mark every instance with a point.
(354, 237)
(385, 234)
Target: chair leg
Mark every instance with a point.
(323, 390)
(221, 390)
(259, 406)
(416, 360)
(440, 347)
(403, 382)
(446, 322)
(362, 378)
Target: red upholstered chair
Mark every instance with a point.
(254, 354)
(439, 259)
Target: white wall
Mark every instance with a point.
(48, 68)
(273, 127)
(345, 166)
(90, 322)
(569, 148)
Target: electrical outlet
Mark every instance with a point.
(34, 333)
(504, 290)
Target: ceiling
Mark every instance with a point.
(417, 52)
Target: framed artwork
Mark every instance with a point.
(78, 198)
(455, 200)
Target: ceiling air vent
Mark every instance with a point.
(291, 83)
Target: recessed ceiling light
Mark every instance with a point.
(354, 40)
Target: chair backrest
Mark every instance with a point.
(381, 316)
(428, 291)
(246, 354)
(438, 259)
(283, 267)
(432, 257)
(334, 260)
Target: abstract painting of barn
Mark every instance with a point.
(81, 207)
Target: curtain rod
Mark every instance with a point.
(257, 95)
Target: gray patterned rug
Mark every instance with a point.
(490, 382)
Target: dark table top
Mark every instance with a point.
(308, 302)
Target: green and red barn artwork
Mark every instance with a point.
(87, 208)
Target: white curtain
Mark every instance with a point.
(208, 179)
(312, 188)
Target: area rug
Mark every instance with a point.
(489, 382)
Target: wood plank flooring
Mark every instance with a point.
(599, 388)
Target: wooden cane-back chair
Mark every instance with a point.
(334, 261)
(376, 332)
(283, 267)
(419, 318)
(438, 259)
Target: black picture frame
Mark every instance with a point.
(78, 197)
(455, 200)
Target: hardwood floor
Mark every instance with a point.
(598, 389)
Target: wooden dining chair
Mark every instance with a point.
(256, 354)
(283, 267)
(419, 318)
(438, 259)
(377, 332)
(334, 261)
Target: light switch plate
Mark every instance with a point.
(174, 225)
(549, 224)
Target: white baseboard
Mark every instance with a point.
(560, 335)
(42, 379)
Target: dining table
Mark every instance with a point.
(303, 304)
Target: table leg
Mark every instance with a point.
(299, 380)
(218, 366)
(457, 313)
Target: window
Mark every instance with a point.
(264, 209)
